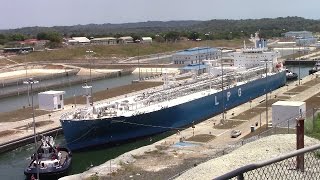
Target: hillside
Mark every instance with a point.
(149, 26)
(172, 30)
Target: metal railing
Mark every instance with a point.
(282, 167)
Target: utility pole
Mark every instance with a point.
(90, 64)
(299, 62)
(207, 35)
(138, 41)
(222, 87)
(75, 101)
(266, 94)
(198, 60)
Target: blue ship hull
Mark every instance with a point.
(85, 133)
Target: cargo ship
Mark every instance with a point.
(176, 104)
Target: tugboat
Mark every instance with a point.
(315, 69)
(49, 161)
(291, 75)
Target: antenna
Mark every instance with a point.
(165, 79)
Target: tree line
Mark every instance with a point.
(170, 31)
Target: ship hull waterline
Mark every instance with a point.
(81, 134)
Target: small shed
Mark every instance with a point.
(146, 40)
(125, 40)
(284, 113)
(51, 100)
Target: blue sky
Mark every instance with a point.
(22, 13)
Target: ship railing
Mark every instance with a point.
(67, 115)
(172, 94)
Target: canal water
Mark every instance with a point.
(13, 163)
(17, 102)
(304, 70)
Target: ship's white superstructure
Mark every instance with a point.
(249, 57)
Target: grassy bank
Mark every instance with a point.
(120, 51)
(312, 128)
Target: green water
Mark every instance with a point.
(12, 163)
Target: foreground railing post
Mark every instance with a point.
(300, 143)
(240, 177)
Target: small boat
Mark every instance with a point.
(315, 69)
(291, 75)
(52, 161)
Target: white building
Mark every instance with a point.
(51, 100)
(195, 55)
(78, 40)
(301, 34)
(104, 41)
(306, 41)
(146, 40)
(302, 38)
(282, 111)
(125, 40)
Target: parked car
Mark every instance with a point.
(235, 133)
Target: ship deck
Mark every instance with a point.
(171, 94)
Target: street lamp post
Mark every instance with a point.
(28, 89)
(25, 60)
(31, 82)
(138, 41)
(90, 52)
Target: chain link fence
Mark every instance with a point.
(283, 167)
(286, 166)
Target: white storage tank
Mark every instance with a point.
(51, 100)
(282, 111)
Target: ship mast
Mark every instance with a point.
(87, 89)
(32, 82)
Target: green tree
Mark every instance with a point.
(51, 36)
(193, 35)
(135, 37)
(17, 37)
(172, 36)
(3, 39)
